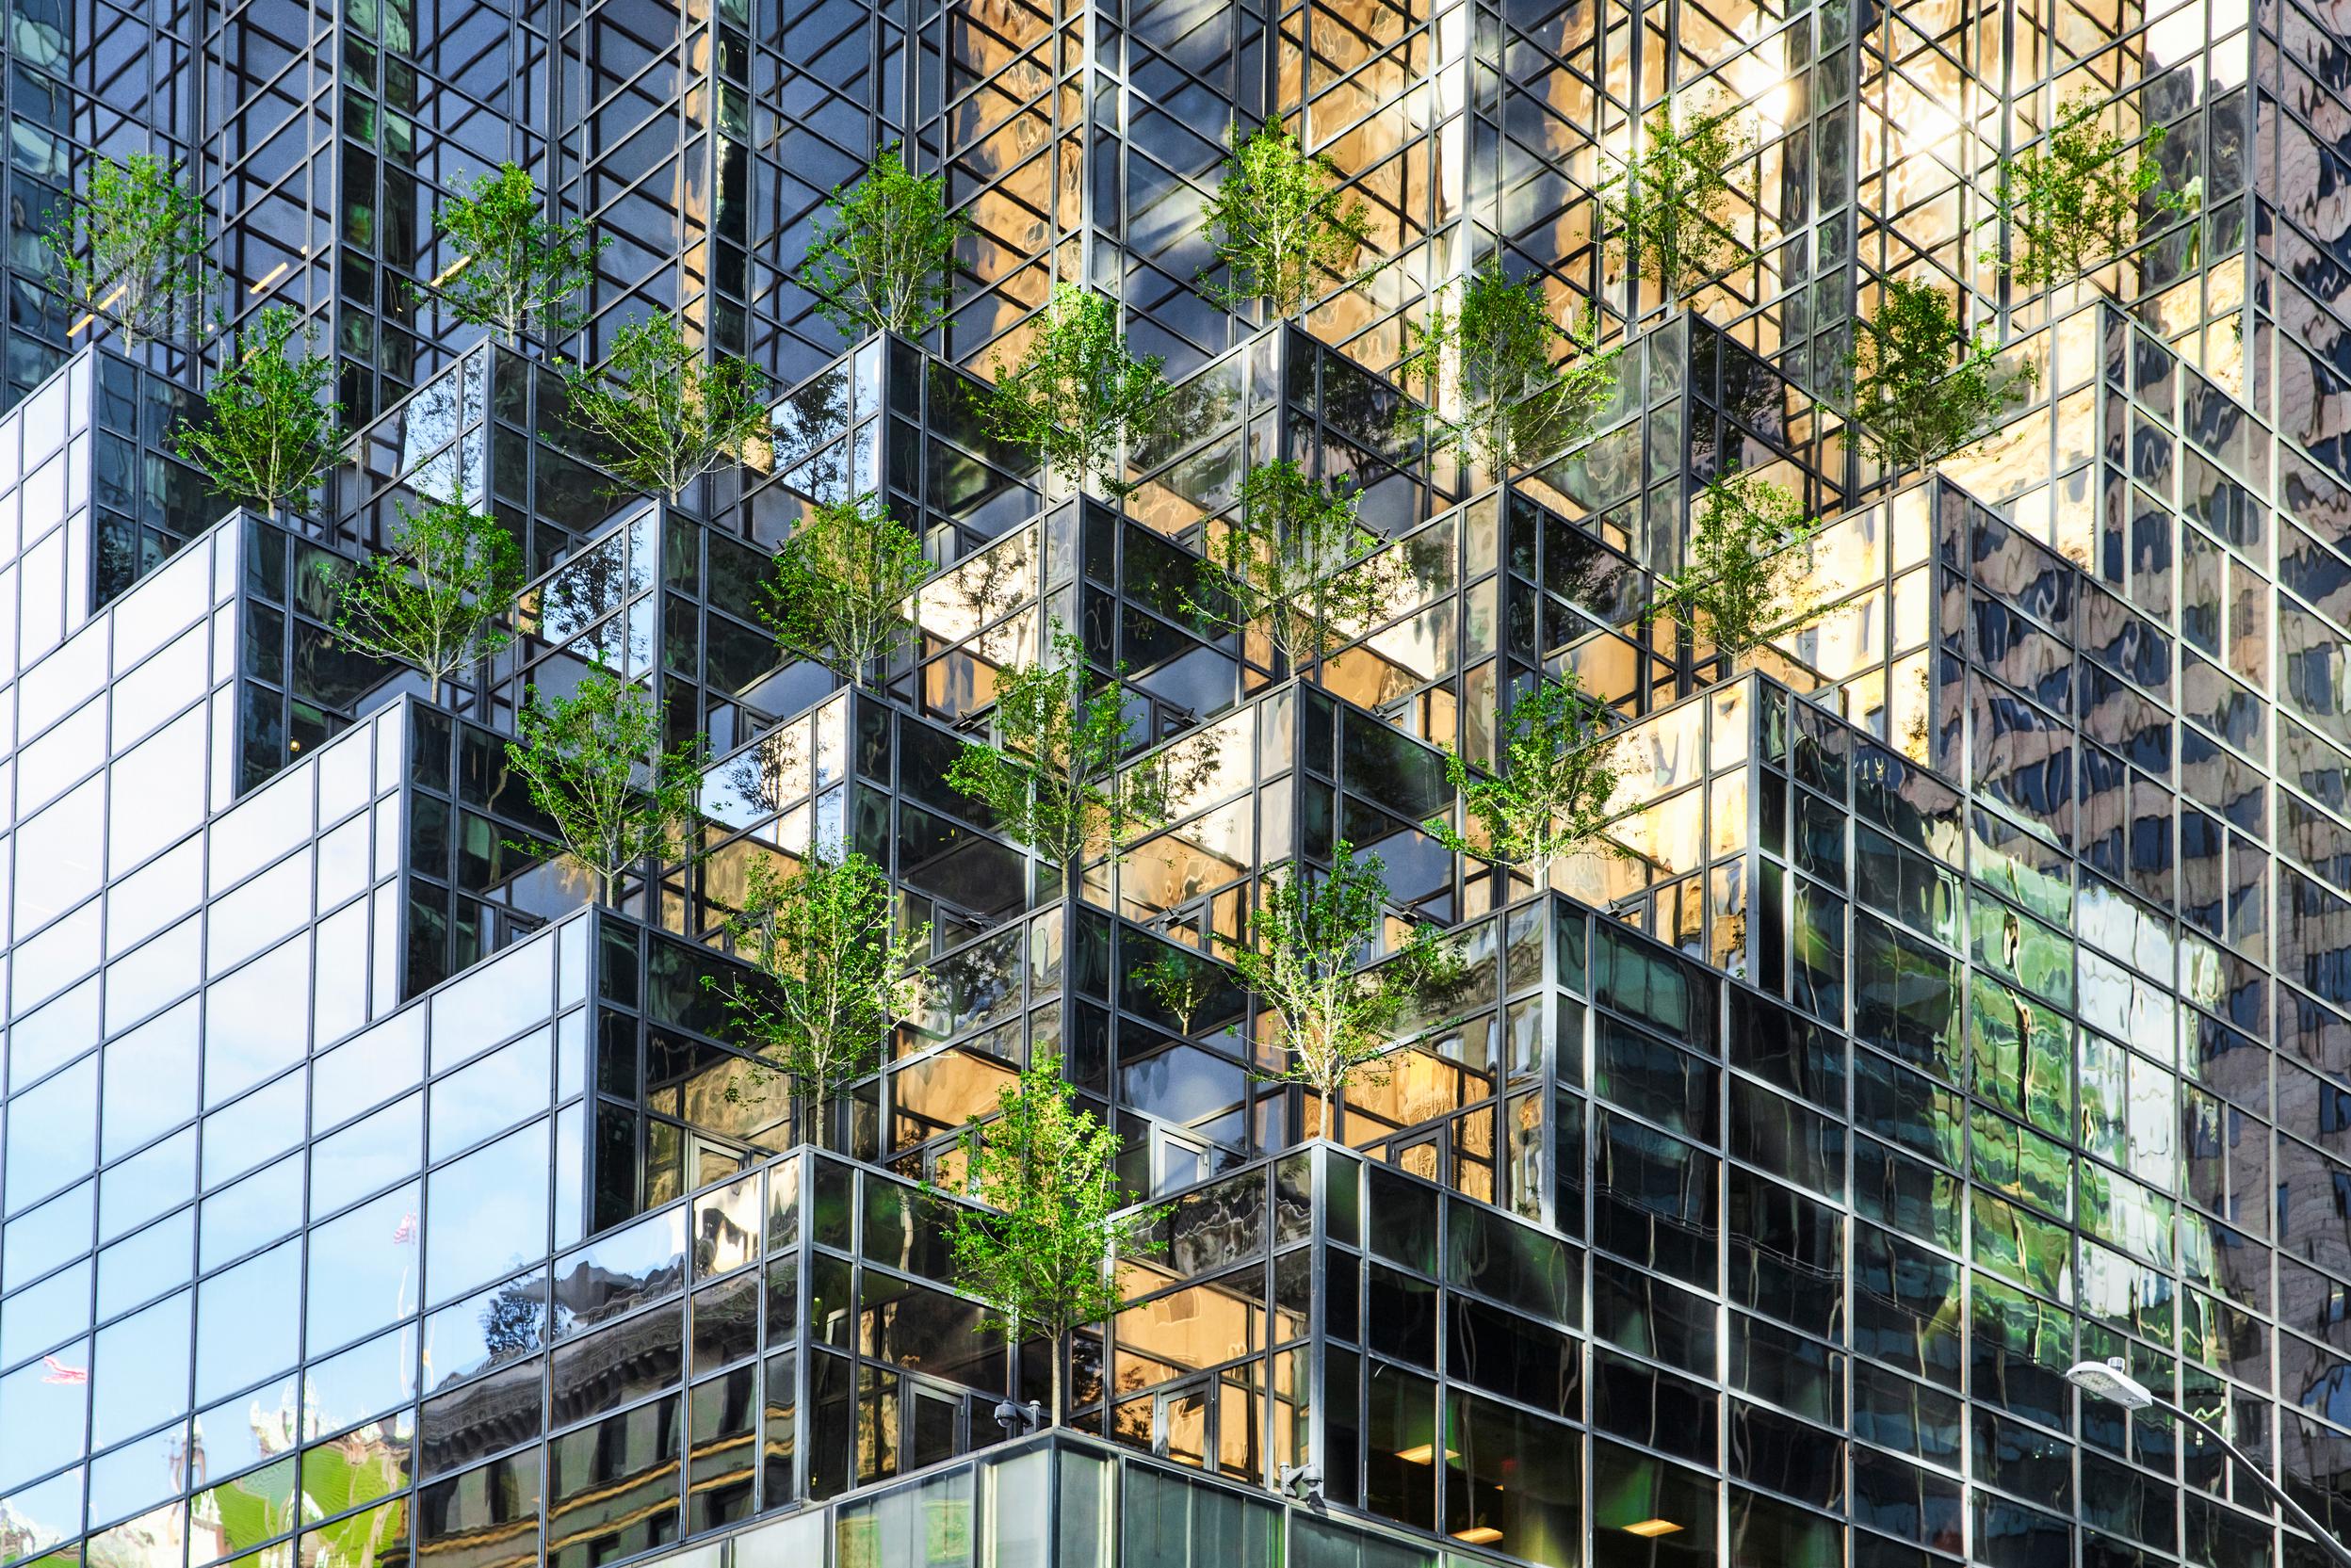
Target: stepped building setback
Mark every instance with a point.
(1946, 982)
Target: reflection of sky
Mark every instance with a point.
(246, 1320)
(363, 1269)
(140, 1374)
(41, 1422)
(493, 1209)
(493, 1092)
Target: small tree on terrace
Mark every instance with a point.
(1076, 394)
(1299, 958)
(1750, 553)
(1923, 388)
(1492, 356)
(1281, 224)
(130, 248)
(884, 257)
(269, 432)
(1296, 561)
(834, 979)
(1040, 1255)
(1551, 797)
(666, 415)
(594, 762)
(2074, 203)
(516, 267)
(1052, 779)
(1675, 204)
(436, 598)
(843, 585)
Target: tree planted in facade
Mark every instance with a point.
(2074, 203)
(665, 414)
(1182, 982)
(1922, 387)
(834, 978)
(269, 431)
(1553, 794)
(1051, 779)
(1492, 354)
(1747, 577)
(130, 248)
(1296, 561)
(1040, 1255)
(843, 585)
(1281, 224)
(1675, 208)
(595, 764)
(435, 599)
(516, 267)
(1076, 394)
(1299, 957)
(883, 256)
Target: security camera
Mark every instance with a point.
(1302, 1481)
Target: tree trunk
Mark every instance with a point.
(1053, 1412)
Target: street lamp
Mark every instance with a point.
(2111, 1382)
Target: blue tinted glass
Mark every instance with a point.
(146, 1264)
(140, 1376)
(247, 1319)
(56, 1309)
(36, 1242)
(494, 1092)
(257, 1210)
(363, 1269)
(43, 1413)
(487, 1213)
(151, 1079)
(53, 1134)
(259, 1020)
(147, 1184)
(367, 1156)
(365, 1381)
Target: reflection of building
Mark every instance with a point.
(1961, 989)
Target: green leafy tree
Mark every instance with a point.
(595, 764)
(1182, 982)
(1674, 206)
(666, 415)
(436, 598)
(516, 267)
(1296, 561)
(1746, 580)
(130, 248)
(1052, 779)
(842, 586)
(1923, 388)
(1299, 957)
(1494, 356)
(1551, 797)
(1040, 1255)
(884, 257)
(1281, 224)
(833, 979)
(269, 432)
(2074, 203)
(1076, 394)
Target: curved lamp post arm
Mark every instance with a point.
(2293, 1511)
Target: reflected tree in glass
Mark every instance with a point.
(1076, 394)
(663, 414)
(129, 248)
(2076, 202)
(1051, 779)
(1281, 224)
(1492, 355)
(1300, 957)
(269, 432)
(1922, 387)
(595, 764)
(437, 599)
(1748, 578)
(883, 256)
(832, 978)
(1674, 206)
(516, 268)
(1040, 1254)
(844, 590)
(1551, 797)
(1296, 562)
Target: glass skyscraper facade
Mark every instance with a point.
(1962, 989)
